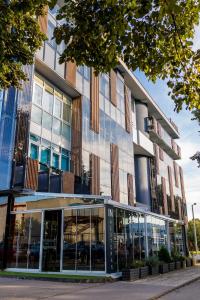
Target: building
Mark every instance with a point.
(88, 175)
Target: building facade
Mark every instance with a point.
(89, 179)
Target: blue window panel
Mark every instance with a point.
(45, 156)
(65, 163)
(55, 160)
(34, 151)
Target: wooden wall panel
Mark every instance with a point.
(164, 195)
(156, 151)
(31, 174)
(182, 184)
(179, 210)
(94, 102)
(115, 173)
(130, 190)
(127, 110)
(176, 174)
(159, 132)
(171, 188)
(70, 72)
(77, 135)
(94, 174)
(161, 154)
(68, 182)
(43, 21)
(113, 87)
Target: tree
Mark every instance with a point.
(20, 37)
(191, 234)
(154, 36)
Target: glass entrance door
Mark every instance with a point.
(52, 241)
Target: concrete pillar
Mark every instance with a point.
(142, 165)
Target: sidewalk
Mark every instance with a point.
(145, 289)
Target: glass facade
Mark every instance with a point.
(50, 132)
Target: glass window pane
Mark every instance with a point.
(57, 108)
(50, 34)
(47, 121)
(69, 241)
(36, 115)
(45, 156)
(55, 160)
(48, 102)
(66, 131)
(34, 151)
(56, 126)
(37, 97)
(66, 113)
(65, 163)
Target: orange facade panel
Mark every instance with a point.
(70, 72)
(156, 151)
(94, 102)
(164, 195)
(43, 21)
(130, 189)
(182, 184)
(115, 173)
(113, 87)
(94, 174)
(77, 135)
(171, 188)
(31, 174)
(127, 110)
(68, 182)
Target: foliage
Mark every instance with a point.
(137, 264)
(191, 234)
(20, 37)
(163, 255)
(154, 36)
(175, 254)
(152, 261)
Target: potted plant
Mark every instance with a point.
(132, 273)
(165, 259)
(182, 259)
(153, 264)
(144, 270)
(188, 262)
(176, 256)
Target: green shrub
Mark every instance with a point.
(163, 255)
(153, 261)
(137, 264)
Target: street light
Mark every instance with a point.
(195, 231)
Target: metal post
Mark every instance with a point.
(194, 225)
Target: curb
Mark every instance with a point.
(174, 288)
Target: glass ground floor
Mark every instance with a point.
(76, 234)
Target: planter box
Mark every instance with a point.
(131, 274)
(177, 265)
(164, 268)
(154, 270)
(144, 272)
(188, 262)
(183, 264)
(171, 266)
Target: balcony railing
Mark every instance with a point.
(173, 151)
(35, 176)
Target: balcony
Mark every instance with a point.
(173, 151)
(142, 144)
(34, 176)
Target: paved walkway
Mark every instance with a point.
(146, 289)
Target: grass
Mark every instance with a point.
(42, 275)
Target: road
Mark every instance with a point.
(189, 292)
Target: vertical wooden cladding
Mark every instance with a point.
(161, 154)
(77, 135)
(70, 72)
(31, 174)
(94, 174)
(21, 144)
(68, 183)
(43, 21)
(164, 195)
(179, 210)
(176, 174)
(159, 131)
(115, 172)
(127, 110)
(171, 188)
(130, 189)
(113, 87)
(182, 184)
(94, 102)
(156, 151)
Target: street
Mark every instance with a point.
(191, 291)
(145, 289)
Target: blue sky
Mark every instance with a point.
(189, 141)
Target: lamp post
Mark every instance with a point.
(195, 231)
